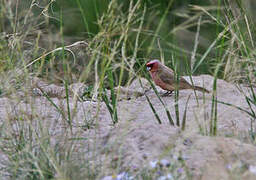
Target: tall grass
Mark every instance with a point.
(124, 37)
(112, 102)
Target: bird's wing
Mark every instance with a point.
(167, 76)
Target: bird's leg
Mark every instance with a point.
(167, 93)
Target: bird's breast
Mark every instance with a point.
(158, 81)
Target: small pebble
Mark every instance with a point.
(187, 142)
(144, 156)
(167, 177)
(180, 170)
(185, 157)
(165, 163)
(159, 173)
(162, 178)
(153, 164)
(175, 157)
(252, 169)
(107, 178)
(229, 166)
(124, 176)
(135, 168)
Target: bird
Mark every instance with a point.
(164, 77)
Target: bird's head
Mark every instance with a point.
(153, 65)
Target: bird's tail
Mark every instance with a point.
(198, 88)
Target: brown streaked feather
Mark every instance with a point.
(167, 76)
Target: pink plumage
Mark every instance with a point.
(164, 77)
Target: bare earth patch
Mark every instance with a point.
(137, 139)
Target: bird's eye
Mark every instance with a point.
(149, 67)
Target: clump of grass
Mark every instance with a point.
(175, 64)
(183, 124)
(114, 53)
(112, 102)
(231, 43)
(32, 152)
(251, 102)
(151, 106)
(87, 93)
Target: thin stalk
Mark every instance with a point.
(159, 26)
(176, 94)
(185, 115)
(83, 16)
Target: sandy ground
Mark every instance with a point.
(138, 139)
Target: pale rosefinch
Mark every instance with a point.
(164, 77)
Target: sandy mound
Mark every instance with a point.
(137, 139)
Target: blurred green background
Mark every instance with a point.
(175, 30)
(168, 21)
(173, 22)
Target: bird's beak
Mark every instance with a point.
(148, 68)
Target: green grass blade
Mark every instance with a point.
(250, 106)
(106, 101)
(237, 107)
(151, 105)
(176, 91)
(113, 96)
(185, 115)
(159, 26)
(68, 107)
(160, 99)
(153, 109)
(54, 105)
(83, 16)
